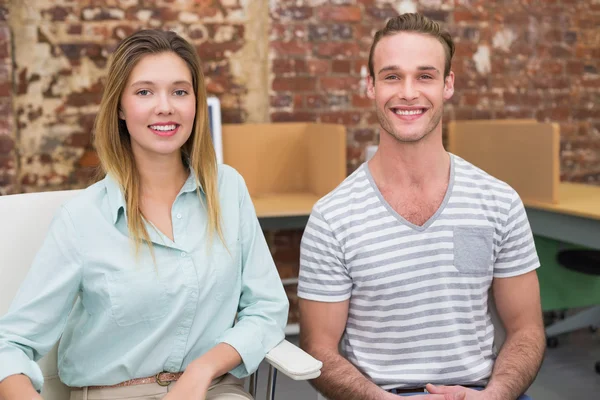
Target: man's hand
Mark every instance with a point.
(469, 394)
(459, 395)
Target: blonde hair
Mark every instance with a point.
(113, 143)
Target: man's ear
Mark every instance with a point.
(370, 88)
(449, 86)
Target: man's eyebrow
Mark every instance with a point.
(420, 68)
(388, 68)
(428, 68)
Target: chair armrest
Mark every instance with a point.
(294, 362)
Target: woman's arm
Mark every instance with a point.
(263, 305)
(38, 313)
(18, 387)
(201, 372)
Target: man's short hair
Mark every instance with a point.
(412, 22)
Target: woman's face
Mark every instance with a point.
(158, 105)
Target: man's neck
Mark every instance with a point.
(410, 165)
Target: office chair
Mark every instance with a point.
(585, 262)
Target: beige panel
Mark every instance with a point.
(326, 157)
(270, 157)
(483, 122)
(289, 205)
(525, 154)
(287, 166)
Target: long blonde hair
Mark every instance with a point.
(113, 143)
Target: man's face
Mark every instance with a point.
(409, 88)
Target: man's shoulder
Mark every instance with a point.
(349, 190)
(467, 174)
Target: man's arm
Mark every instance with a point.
(321, 328)
(518, 304)
(323, 276)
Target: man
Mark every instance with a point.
(397, 262)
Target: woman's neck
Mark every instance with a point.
(162, 177)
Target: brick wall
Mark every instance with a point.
(290, 60)
(8, 159)
(514, 59)
(61, 50)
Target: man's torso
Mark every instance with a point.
(418, 292)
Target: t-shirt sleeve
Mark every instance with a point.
(323, 273)
(517, 254)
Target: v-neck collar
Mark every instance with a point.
(399, 217)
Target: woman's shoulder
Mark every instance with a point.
(87, 200)
(229, 178)
(228, 172)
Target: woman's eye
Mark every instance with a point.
(143, 92)
(181, 92)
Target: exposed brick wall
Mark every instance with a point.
(291, 60)
(8, 158)
(514, 59)
(61, 50)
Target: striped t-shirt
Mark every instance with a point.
(418, 294)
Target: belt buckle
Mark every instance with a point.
(161, 383)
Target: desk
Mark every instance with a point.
(573, 222)
(284, 211)
(574, 219)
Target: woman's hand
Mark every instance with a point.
(192, 385)
(18, 387)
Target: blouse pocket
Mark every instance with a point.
(136, 296)
(473, 248)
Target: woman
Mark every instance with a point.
(161, 257)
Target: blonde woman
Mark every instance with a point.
(161, 257)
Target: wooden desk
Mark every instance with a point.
(284, 211)
(575, 218)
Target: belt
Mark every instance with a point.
(422, 389)
(162, 379)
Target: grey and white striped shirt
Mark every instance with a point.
(418, 294)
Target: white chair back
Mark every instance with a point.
(25, 221)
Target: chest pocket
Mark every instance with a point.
(136, 295)
(473, 248)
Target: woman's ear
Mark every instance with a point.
(121, 114)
